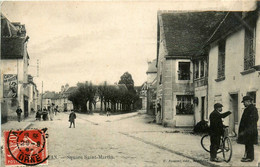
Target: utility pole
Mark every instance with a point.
(42, 95)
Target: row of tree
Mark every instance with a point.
(120, 96)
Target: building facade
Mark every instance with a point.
(14, 70)
(204, 58)
(236, 73)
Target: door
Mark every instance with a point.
(25, 107)
(202, 108)
(233, 119)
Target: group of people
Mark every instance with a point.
(47, 113)
(247, 132)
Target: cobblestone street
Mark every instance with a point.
(124, 140)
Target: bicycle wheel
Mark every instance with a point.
(205, 143)
(227, 149)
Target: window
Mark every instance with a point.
(196, 67)
(202, 68)
(184, 105)
(184, 71)
(249, 58)
(221, 59)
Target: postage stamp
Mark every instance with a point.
(25, 147)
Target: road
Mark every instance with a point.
(105, 143)
(124, 140)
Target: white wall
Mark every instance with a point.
(234, 81)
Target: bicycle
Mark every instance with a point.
(225, 145)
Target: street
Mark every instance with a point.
(125, 140)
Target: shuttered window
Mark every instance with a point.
(249, 58)
(221, 58)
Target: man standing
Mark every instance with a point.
(19, 112)
(216, 130)
(247, 132)
(51, 111)
(72, 118)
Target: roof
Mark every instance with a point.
(152, 67)
(186, 32)
(12, 48)
(71, 90)
(48, 95)
(7, 28)
(12, 39)
(232, 22)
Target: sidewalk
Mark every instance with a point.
(180, 141)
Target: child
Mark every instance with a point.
(72, 118)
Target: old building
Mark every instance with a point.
(14, 69)
(204, 58)
(151, 87)
(181, 36)
(234, 59)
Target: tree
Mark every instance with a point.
(85, 93)
(127, 79)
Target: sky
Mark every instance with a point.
(78, 41)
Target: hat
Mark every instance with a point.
(217, 105)
(246, 98)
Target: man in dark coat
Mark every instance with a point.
(19, 112)
(247, 132)
(216, 130)
(72, 118)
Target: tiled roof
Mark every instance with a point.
(48, 95)
(186, 32)
(233, 22)
(7, 28)
(12, 48)
(12, 39)
(152, 67)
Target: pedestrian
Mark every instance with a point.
(72, 118)
(247, 132)
(51, 111)
(44, 114)
(38, 115)
(108, 111)
(56, 110)
(216, 130)
(19, 112)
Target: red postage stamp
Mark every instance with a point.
(25, 147)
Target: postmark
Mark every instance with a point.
(26, 147)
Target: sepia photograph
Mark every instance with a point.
(130, 83)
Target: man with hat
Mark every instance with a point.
(247, 132)
(216, 130)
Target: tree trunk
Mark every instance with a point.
(101, 104)
(105, 105)
(84, 108)
(90, 106)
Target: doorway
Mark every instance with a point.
(202, 108)
(233, 119)
(25, 107)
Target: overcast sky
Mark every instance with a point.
(95, 41)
